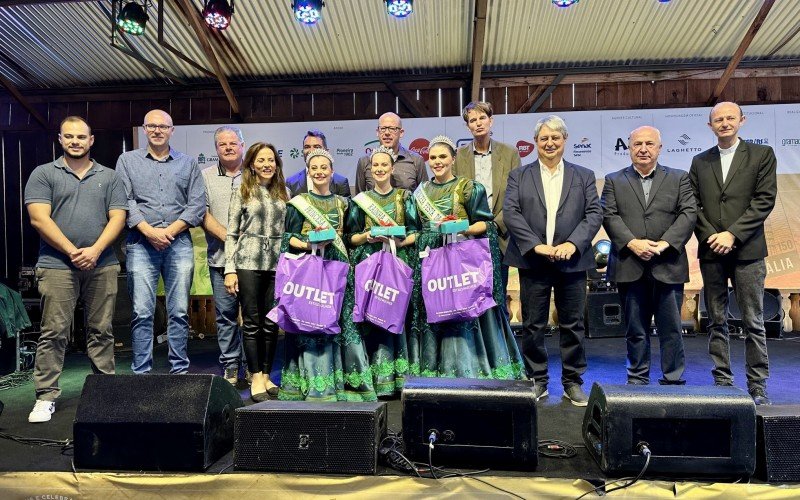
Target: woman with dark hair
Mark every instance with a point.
(321, 367)
(392, 357)
(478, 348)
(255, 229)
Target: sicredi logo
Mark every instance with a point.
(525, 148)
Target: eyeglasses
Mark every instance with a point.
(393, 130)
(151, 127)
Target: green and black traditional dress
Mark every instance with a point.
(480, 348)
(392, 357)
(325, 367)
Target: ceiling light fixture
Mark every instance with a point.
(564, 3)
(132, 18)
(307, 11)
(218, 13)
(399, 8)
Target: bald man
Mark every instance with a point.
(409, 168)
(166, 197)
(735, 183)
(649, 213)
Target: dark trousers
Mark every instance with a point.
(535, 286)
(642, 299)
(60, 290)
(256, 294)
(747, 278)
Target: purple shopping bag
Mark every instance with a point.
(309, 291)
(457, 281)
(383, 286)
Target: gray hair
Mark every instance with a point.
(553, 122)
(229, 128)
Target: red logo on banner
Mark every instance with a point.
(525, 148)
(420, 146)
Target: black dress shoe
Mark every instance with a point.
(759, 396)
(273, 391)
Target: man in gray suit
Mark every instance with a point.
(552, 212)
(735, 184)
(488, 162)
(649, 213)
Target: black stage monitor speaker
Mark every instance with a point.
(773, 312)
(483, 423)
(604, 316)
(690, 430)
(154, 422)
(778, 443)
(299, 436)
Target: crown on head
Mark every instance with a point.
(318, 152)
(384, 149)
(442, 139)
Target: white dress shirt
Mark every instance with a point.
(726, 157)
(552, 183)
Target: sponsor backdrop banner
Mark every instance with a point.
(597, 140)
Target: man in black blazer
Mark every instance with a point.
(552, 212)
(298, 183)
(649, 213)
(735, 184)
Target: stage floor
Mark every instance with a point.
(30, 471)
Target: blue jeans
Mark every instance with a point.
(226, 307)
(176, 265)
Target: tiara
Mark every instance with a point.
(384, 149)
(442, 139)
(318, 152)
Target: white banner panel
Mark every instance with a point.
(684, 133)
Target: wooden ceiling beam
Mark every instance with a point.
(539, 94)
(199, 27)
(740, 51)
(478, 42)
(412, 104)
(639, 76)
(15, 3)
(8, 84)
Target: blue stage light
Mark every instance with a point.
(399, 8)
(564, 3)
(307, 11)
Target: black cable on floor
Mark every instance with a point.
(53, 443)
(554, 448)
(643, 450)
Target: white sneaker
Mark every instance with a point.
(42, 411)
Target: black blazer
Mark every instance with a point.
(741, 204)
(669, 214)
(525, 212)
(297, 184)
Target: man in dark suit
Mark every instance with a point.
(649, 214)
(298, 183)
(552, 212)
(735, 185)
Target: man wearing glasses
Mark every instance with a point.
(409, 169)
(166, 197)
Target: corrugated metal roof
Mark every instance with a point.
(66, 44)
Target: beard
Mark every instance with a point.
(78, 156)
